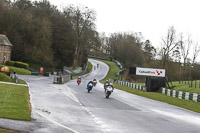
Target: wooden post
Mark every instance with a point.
(199, 83)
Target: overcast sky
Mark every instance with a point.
(150, 17)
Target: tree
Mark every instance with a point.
(196, 51)
(168, 45)
(149, 51)
(185, 48)
(125, 47)
(81, 19)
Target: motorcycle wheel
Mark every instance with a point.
(108, 94)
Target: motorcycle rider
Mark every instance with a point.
(106, 84)
(94, 82)
(78, 79)
(89, 83)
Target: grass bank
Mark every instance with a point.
(113, 69)
(18, 70)
(89, 67)
(8, 131)
(185, 87)
(6, 78)
(14, 102)
(190, 105)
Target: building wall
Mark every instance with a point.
(5, 50)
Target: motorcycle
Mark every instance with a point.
(90, 85)
(94, 83)
(108, 91)
(78, 81)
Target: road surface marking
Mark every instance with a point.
(56, 122)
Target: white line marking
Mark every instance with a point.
(47, 117)
(57, 123)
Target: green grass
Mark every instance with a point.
(6, 78)
(14, 102)
(89, 67)
(190, 105)
(185, 87)
(18, 70)
(8, 131)
(112, 71)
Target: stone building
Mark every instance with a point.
(5, 49)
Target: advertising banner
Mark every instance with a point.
(150, 72)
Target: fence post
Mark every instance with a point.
(191, 83)
(199, 83)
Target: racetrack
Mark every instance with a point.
(69, 108)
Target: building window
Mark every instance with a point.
(1, 48)
(1, 57)
(8, 49)
(8, 58)
(4, 49)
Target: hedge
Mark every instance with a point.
(10, 63)
(17, 64)
(21, 64)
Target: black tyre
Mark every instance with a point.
(108, 94)
(89, 89)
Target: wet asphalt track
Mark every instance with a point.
(70, 109)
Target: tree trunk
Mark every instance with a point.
(76, 55)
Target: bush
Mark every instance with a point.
(17, 64)
(21, 64)
(10, 63)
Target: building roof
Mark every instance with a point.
(4, 40)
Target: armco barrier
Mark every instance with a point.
(181, 95)
(132, 85)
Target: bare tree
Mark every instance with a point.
(185, 47)
(169, 44)
(196, 51)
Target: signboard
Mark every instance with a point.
(150, 72)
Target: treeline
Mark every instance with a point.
(174, 53)
(44, 36)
